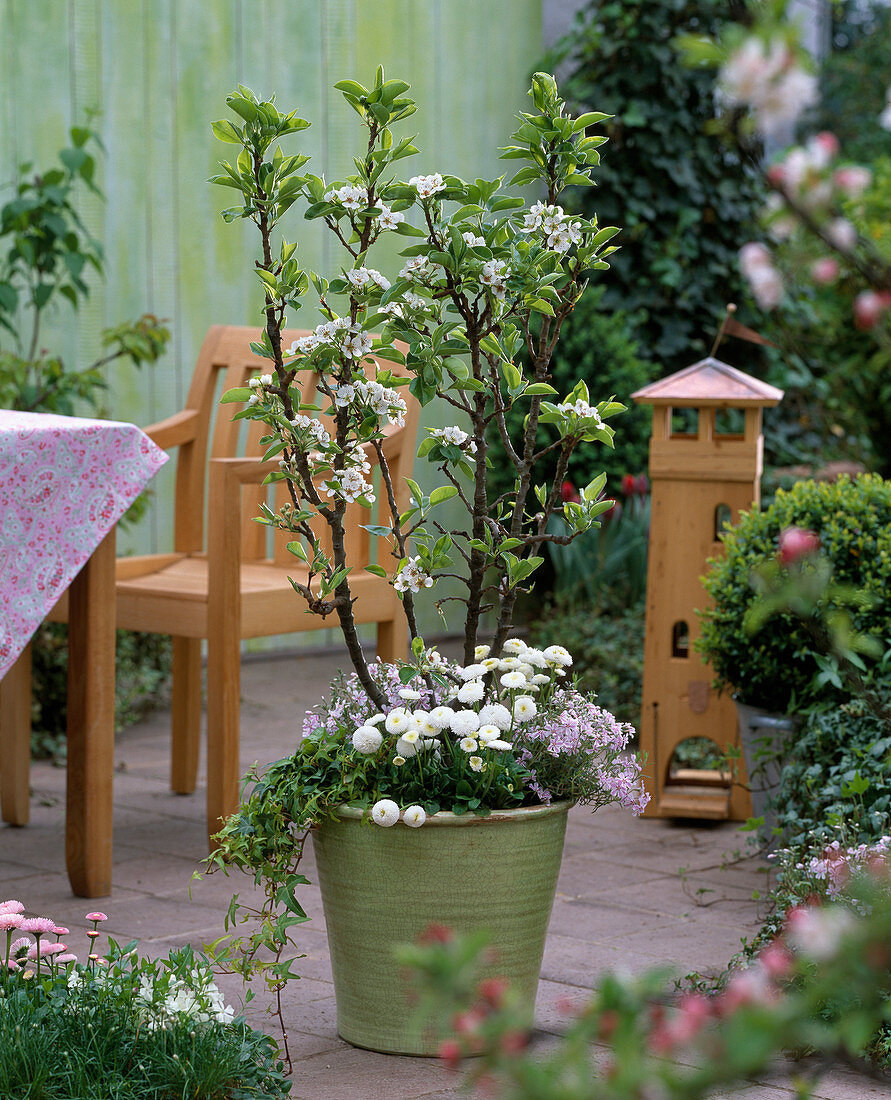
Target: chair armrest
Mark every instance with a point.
(245, 471)
(175, 430)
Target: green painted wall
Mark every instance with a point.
(157, 72)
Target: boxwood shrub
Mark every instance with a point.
(774, 668)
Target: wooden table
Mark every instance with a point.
(91, 615)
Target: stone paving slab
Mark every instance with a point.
(621, 899)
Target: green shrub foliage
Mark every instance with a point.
(686, 198)
(775, 667)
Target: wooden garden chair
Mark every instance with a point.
(234, 584)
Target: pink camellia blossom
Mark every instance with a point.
(8, 921)
(842, 234)
(869, 307)
(853, 179)
(825, 270)
(96, 917)
(827, 143)
(11, 906)
(796, 543)
(38, 926)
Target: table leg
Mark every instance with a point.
(15, 738)
(91, 681)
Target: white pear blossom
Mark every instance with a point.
(360, 278)
(412, 578)
(385, 812)
(388, 219)
(367, 739)
(352, 198)
(494, 274)
(416, 267)
(427, 185)
(414, 816)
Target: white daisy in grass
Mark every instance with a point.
(488, 733)
(468, 744)
(465, 722)
(398, 761)
(398, 721)
(441, 717)
(558, 655)
(407, 748)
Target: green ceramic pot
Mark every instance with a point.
(382, 887)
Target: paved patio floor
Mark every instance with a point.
(622, 899)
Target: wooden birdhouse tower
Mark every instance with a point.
(705, 466)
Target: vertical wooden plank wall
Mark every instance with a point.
(157, 72)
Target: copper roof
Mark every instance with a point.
(709, 382)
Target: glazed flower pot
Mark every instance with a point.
(382, 887)
(763, 737)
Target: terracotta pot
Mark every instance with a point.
(382, 887)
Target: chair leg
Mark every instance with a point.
(392, 638)
(223, 718)
(186, 717)
(15, 739)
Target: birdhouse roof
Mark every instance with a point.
(709, 383)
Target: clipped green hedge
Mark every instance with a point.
(775, 667)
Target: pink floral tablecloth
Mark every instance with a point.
(64, 483)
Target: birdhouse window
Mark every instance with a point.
(730, 422)
(684, 423)
(723, 518)
(680, 640)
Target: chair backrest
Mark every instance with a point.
(225, 362)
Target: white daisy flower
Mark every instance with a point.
(414, 816)
(412, 737)
(481, 651)
(535, 657)
(428, 727)
(477, 764)
(430, 743)
(495, 714)
(525, 708)
(385, 812)
(558, 655)
(470, 672)
(408, 749)
(488, 733)
(468, 744)
(465, 722)
(441, 717)
(375, 720)
(491, 663)
(367, 739)
(398, 761)
(471, 692)
(397, 721)
(502, 746)
(410, 694)
(514, 645)
(513, 680)
(508, 663)
(539, 679)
